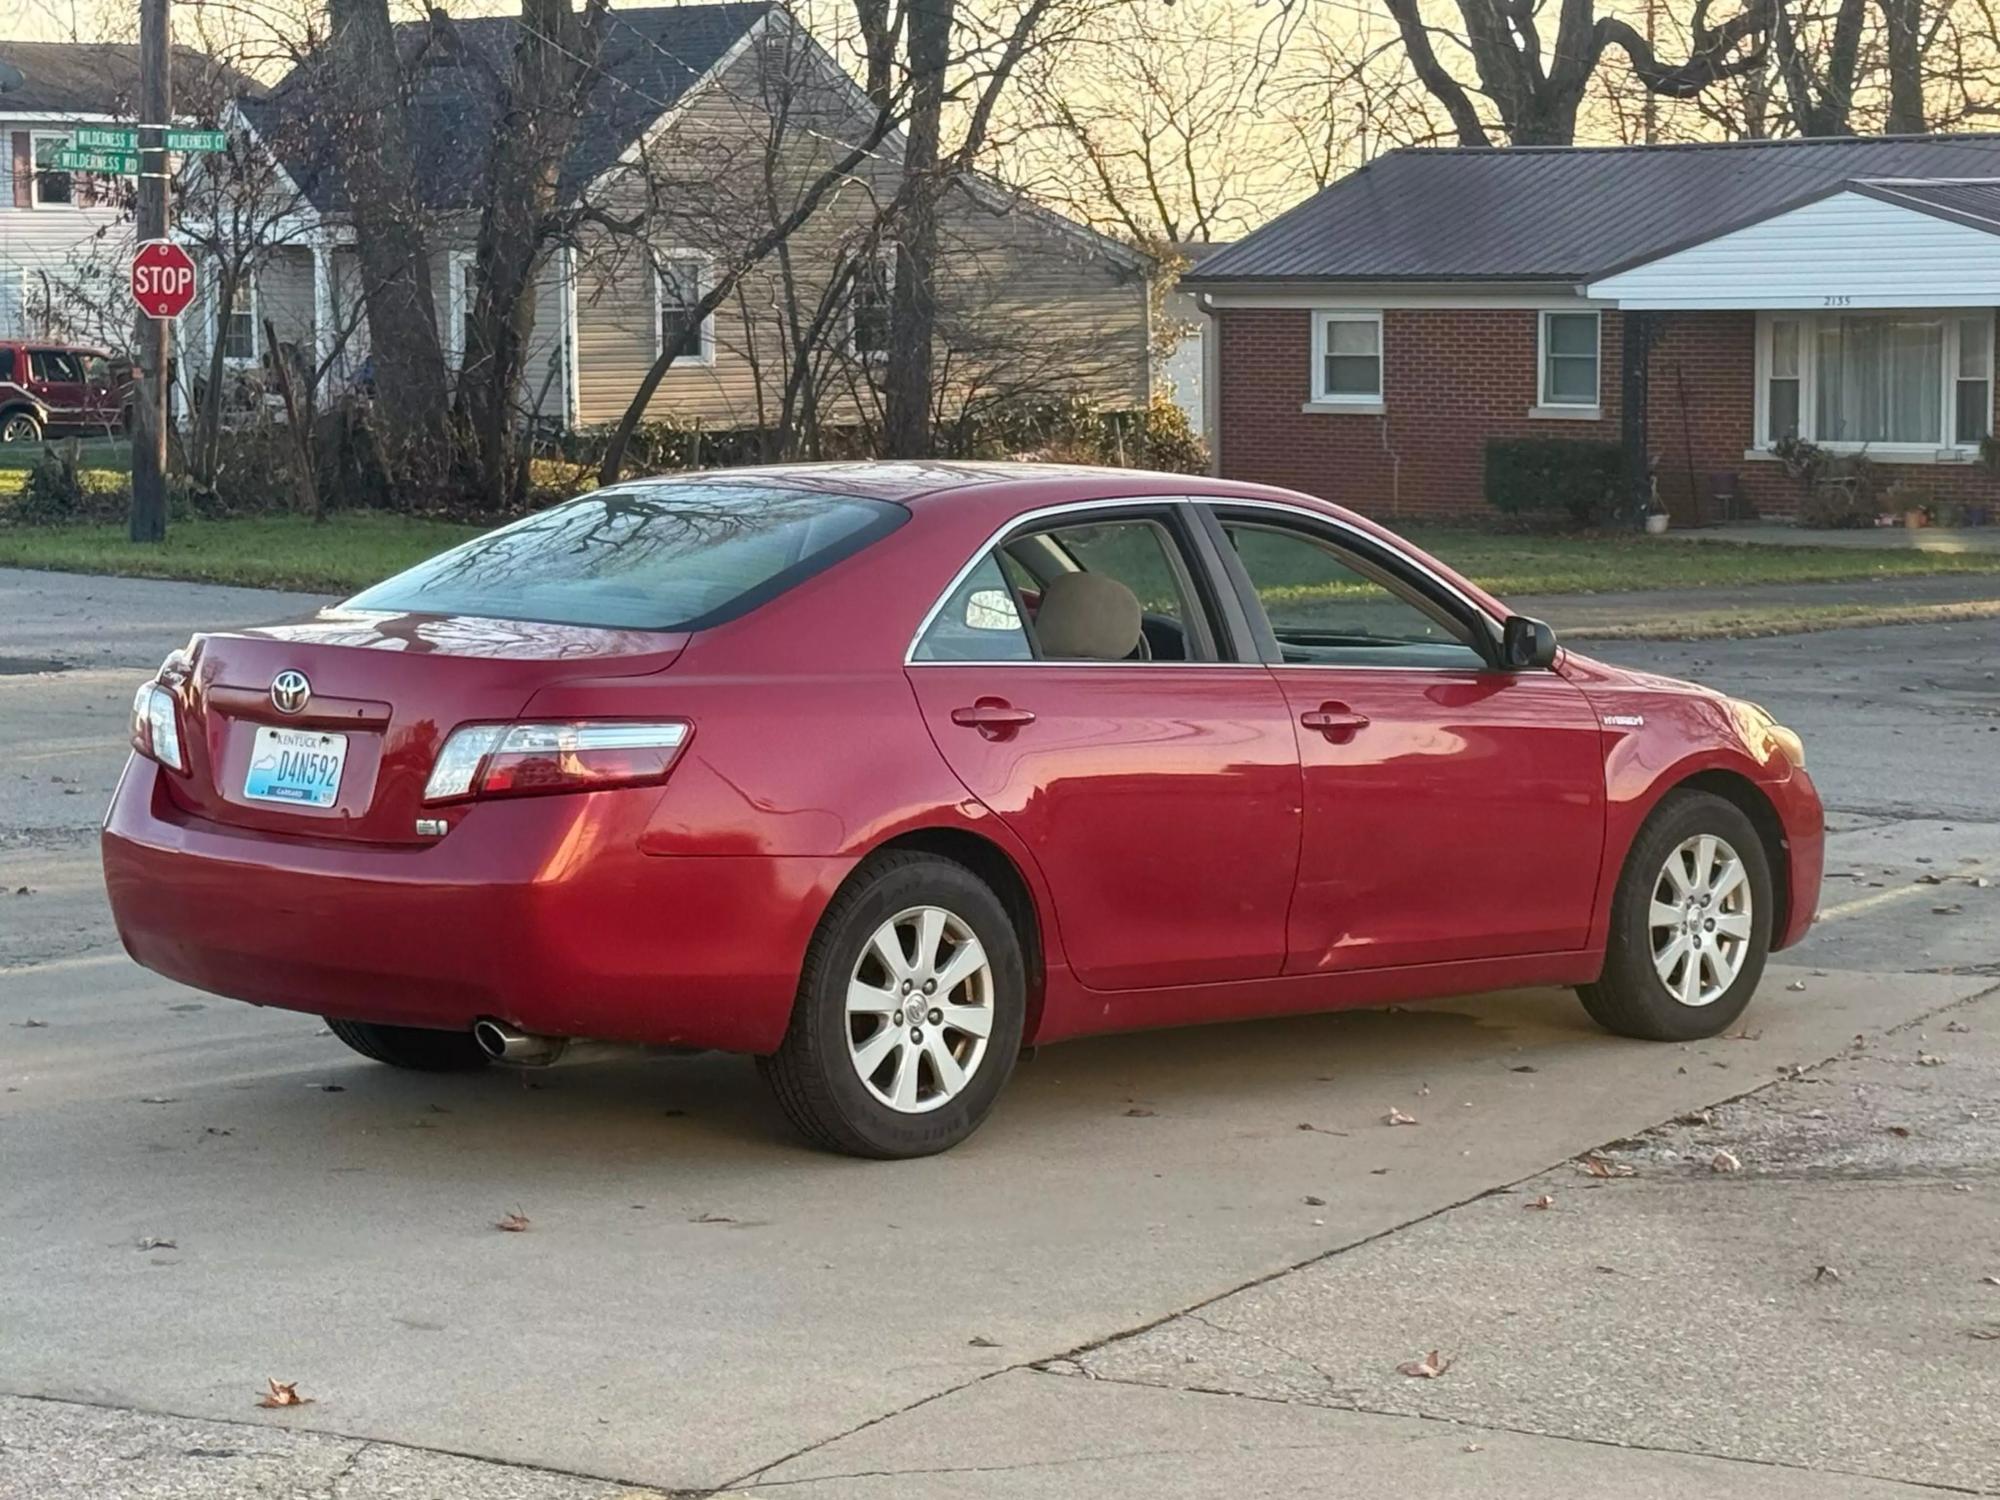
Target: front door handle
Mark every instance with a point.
(995, 718)
(1336, 721)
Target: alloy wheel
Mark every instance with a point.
(1700, 920)
(18, 429)
(919, 1009)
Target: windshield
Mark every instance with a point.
(662, 555)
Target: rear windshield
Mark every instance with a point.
(655, 556)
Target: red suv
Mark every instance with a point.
(61, 390)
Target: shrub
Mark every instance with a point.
(59, 491)
(1074, 429)
(1577, 476)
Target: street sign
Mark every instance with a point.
(197, 140)
(111, 163)
(162, 279)
(92, 138)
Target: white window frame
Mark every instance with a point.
(214, 300)
(1321, 399)
(886, 256)
(1948, 447)
(458, 273)
(706, 355)
(35, 139)
(1546, 403)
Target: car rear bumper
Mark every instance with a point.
(530, 911)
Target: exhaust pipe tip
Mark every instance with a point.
(521, 1049)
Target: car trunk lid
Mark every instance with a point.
(385, 690)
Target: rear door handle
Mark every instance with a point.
(995, 718)
(1336, 721)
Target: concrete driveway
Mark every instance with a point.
(1187, 1263)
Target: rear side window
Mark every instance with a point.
(6, 364)
(655, 556)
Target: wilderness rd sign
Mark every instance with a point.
(162, 279)
(110, 163)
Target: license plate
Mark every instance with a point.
(299, 766)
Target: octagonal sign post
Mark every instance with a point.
(162, 279)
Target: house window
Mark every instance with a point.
(1908, 380)
(1347, 358)
(239, 332)
(464, 291)
(1784, 382)
(51, 186)
(871, 307)
(680, 281)
(1569, 359)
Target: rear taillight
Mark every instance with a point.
(513, 760)
(156, 726)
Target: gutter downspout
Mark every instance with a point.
(1211, 383)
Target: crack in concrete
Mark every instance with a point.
(1048, 1463)
(1531, 1432)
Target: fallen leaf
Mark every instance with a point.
(981, 1341)
(1825, 1273)
(1319, 1129)
(152, 1242)
(1724, 1161)
(1312, 1202)
(1524, 1068)
(1397, 1117)
(1927, 878)
(283, 1393)
(711, 1219)
(1958, 1026)
(159, 1099)
(1989, 1281)
(1796, 984)
(1427, 1368)
(1473, 1448)
(1984, 1333)
(1695, 1117)
(1898, 1130)
(514, 1223)
(1929, 1060)
(1746, 1034)
(331, 1088)
(1946, 911)
(31, 1024)
(1545, 1201)
(1378, 1171)
(1597, 1166)
(1139, 1112)
(1961, 1187)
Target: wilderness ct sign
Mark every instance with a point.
(162, 279)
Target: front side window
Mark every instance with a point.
(654, 556)
(1569, 359)
(57, 365)
(1347, 357)
(1328, 607)
(1919, 380)
(681, 283)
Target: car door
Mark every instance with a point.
(1453, 810)
(56, 380)
(1073, 678)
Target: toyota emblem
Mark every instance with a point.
(290, 692)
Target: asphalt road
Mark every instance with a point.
(1124, 1285)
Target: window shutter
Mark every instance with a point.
(24, 170)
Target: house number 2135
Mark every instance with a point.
(1836, 302)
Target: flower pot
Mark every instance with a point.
(1656, 523)
(1916, 518)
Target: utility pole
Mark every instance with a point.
(153, 341)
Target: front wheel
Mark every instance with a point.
(909, 1013)
(20, 427)
(1690, 924)
(414, 1047)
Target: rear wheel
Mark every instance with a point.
(20, 427)
(1690, 924)
(909, 1013)
(415, 1047)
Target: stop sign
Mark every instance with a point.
(162, 279)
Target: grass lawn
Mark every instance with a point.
(355, 549)
(96, 453)
(279, 552)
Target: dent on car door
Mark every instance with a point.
(1071, 678)
(1454, 810)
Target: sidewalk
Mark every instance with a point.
(1872, 539)
(1773, 608)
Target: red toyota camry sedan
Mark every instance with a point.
(880, 773)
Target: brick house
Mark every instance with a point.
(1694, 303)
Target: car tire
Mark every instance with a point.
(415, 1047)
(862, 1015)
(1689, 932)
(19, 427)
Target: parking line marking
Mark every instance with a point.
(1880, 898)
(94, 961)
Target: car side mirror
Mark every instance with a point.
(991, 609)
(1526, 645)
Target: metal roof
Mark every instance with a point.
(1567, 213)
(102, 78)
(650, 58)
